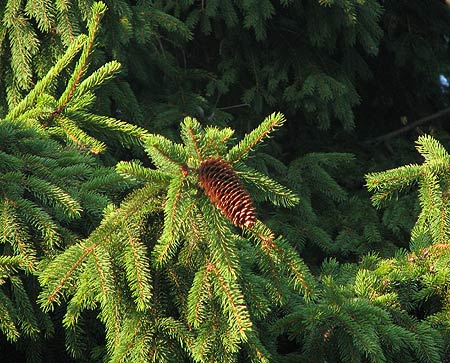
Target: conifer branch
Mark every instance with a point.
(191, 131)
(409, 127)
(250, 140)
(7, 325)
(44, 83)
(261, 353)
(11, 231)
(215, 142)
(221, 243)
(145, 199)
(49, 192)
(78, 136)
(138, 273)
(234, 300)
(135, 170)
(38, 218)
(97, 11)
(110, 123)
(196, 298)
(288, 257)
(387, 183)
(97, 78)
(177, 331)
(176, 209)
(165, 153)
(100, 272)
(198, 238)
(76, 254)
(110, 308)
(273, 191)
(84, 297)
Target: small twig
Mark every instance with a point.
(409, 127)
(234, 106)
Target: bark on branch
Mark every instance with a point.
(408, 127)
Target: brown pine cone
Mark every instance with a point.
(224, 188)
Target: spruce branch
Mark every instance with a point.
(26, 316)
(259, 353)
(216, 140)
(43, 12)
(24, 44)
(250, 140)
(386, 184)
(39, 219)
(109, 299)
(176, 211)
(77, 136)
(197, 297)
(222, 243)
(176, 330)
(59, 272)
(232, 302)
(136, 171)
(84, 298)
(143, 200)
(110, 123)
(97, 78)
(10, 262)
(433, 152)
(273, 191)
(283, 257)
(137, 268)
(7, 318)
(42, 85)
(286, 257)
(51, 194)
(191, 132)
(97, 11)
(11, 231)
(198, 251)
(165, 154)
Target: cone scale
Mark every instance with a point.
(226, 191)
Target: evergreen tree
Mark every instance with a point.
(53, 191)
(223, 282)
(183, 268)
(386, 310)
(35, 34)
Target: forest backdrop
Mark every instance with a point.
(123, 122)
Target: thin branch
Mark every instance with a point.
(409, 127)
(234, 106)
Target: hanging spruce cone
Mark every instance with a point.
(226, 191)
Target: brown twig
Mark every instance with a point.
(409, 127)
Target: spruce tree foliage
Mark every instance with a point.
(330, 221)
(53, 191)
(307, 55)
(223, 281)
(365, 313)
(67, 113)
(311, 59)
(386, 310)
(45, 190)
(34, 34)
(432, 224)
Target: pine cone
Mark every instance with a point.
(226, 191)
